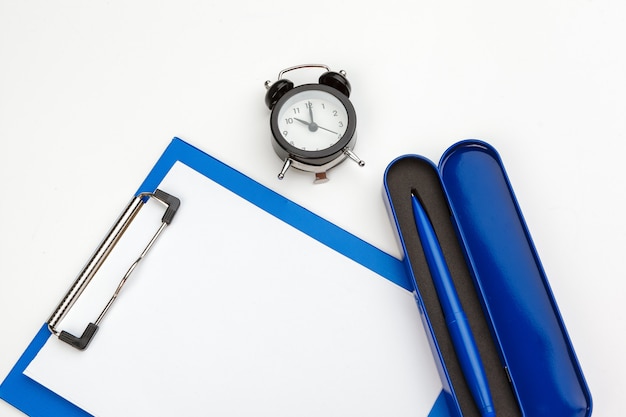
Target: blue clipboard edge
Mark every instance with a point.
(280, 207)
(20, 391)
(29, 396)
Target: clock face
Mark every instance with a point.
(312, 120)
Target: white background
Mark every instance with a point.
(91, 94)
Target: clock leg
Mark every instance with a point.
(353, 156)
(286, 166)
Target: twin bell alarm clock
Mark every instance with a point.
(313, 125)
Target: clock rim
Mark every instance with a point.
(285, 150)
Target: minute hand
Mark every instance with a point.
(328, 130)
(314, 126)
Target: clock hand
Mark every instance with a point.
(314, 126)
(311, 111)
(328, 130)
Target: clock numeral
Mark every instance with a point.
(285, 133)
(335, 113)
(296, 110)
(308, 105)
(340, 124)
(289, 120)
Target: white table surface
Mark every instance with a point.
(92, 93)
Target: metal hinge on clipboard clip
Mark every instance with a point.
(112, 238)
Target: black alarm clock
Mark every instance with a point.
(313, 125)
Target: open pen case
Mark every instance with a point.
(531, 366)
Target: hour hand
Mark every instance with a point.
(312, 126)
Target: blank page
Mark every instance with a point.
(236, 313)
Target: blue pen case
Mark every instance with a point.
(528, 357)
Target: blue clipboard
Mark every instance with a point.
(34, 399)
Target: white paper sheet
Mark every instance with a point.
(235, 313)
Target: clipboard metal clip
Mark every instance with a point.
(93, 265)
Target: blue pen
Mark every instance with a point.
(460, 332)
